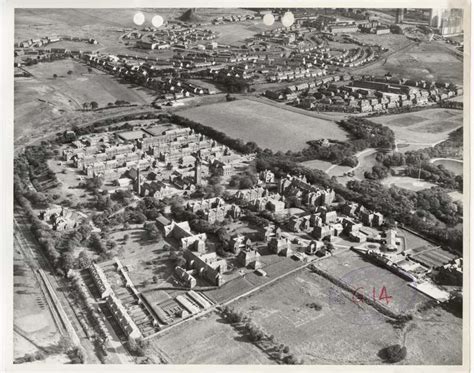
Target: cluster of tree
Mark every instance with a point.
(138, 346)
(152, 231)
(257, 334)
(45, 235)
(30, 357)
(118, 103)
(437, 174)
(234, 85)
(245, 180)
(365, 134)
(44, 58)
(418, 164)
(93, 184)
(377, 173)
(212, 189)
(92, 314)
(393, 354)
(77, 355)
(451, 104)
(93, 105)
(32, 165)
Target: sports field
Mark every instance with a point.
(268, 126)
(426, 127)
(452, 165)
(407, 182)
(344, 331)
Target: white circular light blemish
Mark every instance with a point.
(268, 19)
(139, 18)
(157, 21)
(288, 19)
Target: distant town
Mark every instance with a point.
(234, 186)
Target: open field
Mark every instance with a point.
(360, 273)
(352, 332)
(218, 343)
(317, 164)
(453, 165)
(268, 126)
(231, 33)
(281, 309)
(426, 127)
(42, 98)
(428, 61)
(406, 182)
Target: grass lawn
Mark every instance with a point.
(208, 340)
(267, 125)
(425, 127)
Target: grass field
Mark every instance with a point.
(359, 273)
(451, 165)
(407, 182)
(208, 340)
(317, 164)
(41, 98)
(268, 126)
(427, 61)
(319, 337)
(426, 127)
(346, 332)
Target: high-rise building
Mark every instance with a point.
(197, 171)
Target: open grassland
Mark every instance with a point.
(453, 165)
(41, 98)
(268, 126)
(406, 182)
(316, 164)
(428, 61)
(426, 127)
(344, 331)
(360, 273)
(208, 340)
(332, 335)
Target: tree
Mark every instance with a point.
(152, 231)
(393, 354)
(84, 259)
(89, 70)
(94, 105)
(69, 72)
(55, 76)
(67, 259)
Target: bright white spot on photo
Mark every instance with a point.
(268, 19)
(157, 21)
(288, 19)
(139, 18)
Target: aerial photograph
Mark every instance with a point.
(255, 186)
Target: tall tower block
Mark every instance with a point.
(400, 15)
(197, 171)
(138, 182)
